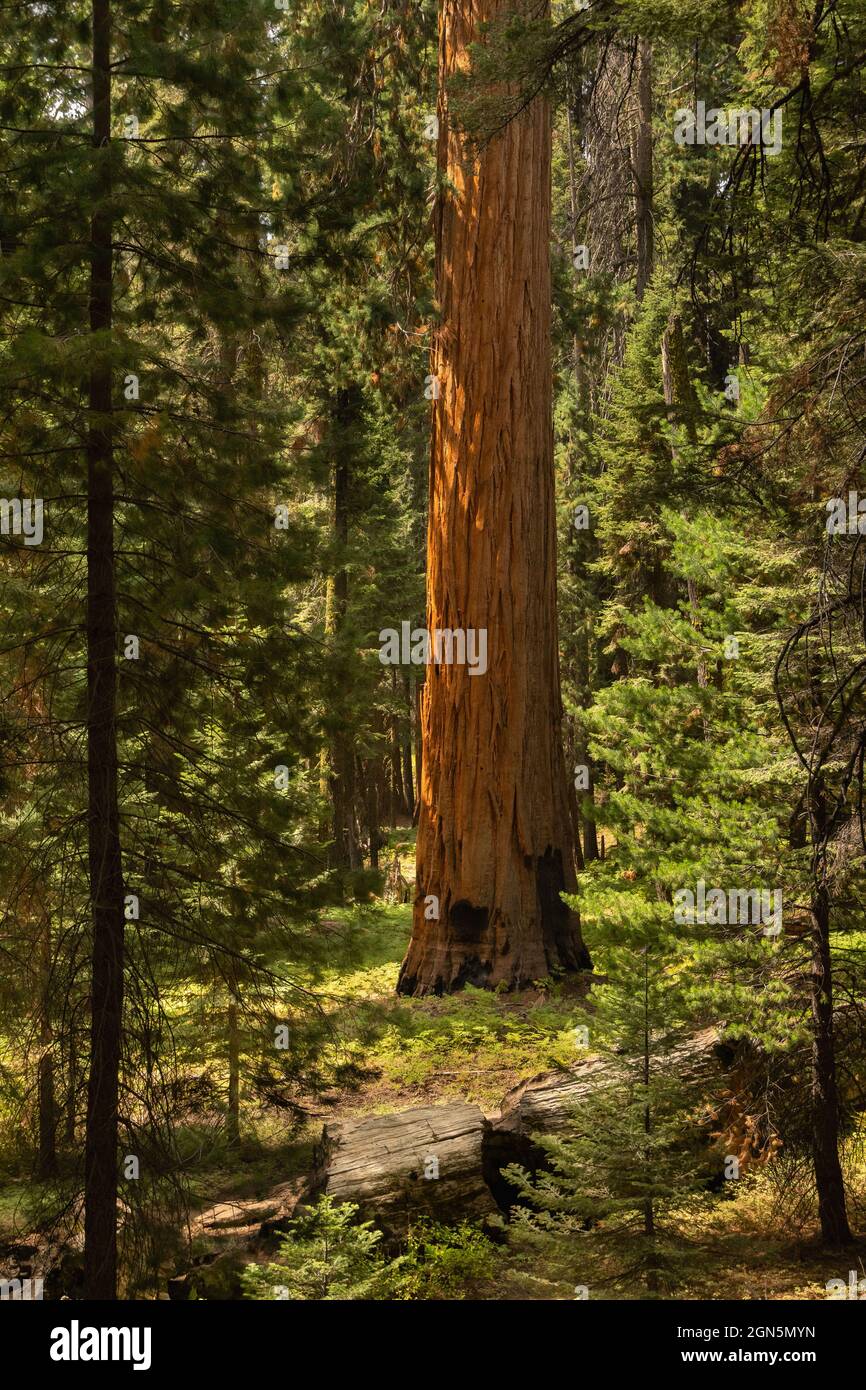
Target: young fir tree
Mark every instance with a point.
(698, 788)
(327, 1254)
(626, 1172)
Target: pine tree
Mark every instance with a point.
(197, 844)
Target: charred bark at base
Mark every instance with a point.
(472, 945)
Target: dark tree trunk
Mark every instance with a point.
(70, 1116)
(341, 760)
(233, 1116)
(680, 396)
(582, 758)
(371, 806)
(400, 803)
(649, 1226)
(105, 866)
(408, 782)
(832, 1210)
(385, 791)
(573, 807)
(642, 169)
(46, 1166)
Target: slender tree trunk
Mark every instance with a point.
(642, 169)
(106, 871)
(386, 791)
(408, 782)
(46, 1165)
(70, 1117)
(649, 1228)
(233, 1116)
(493, 836)
(341, 765)
(400, 802)
(573, 807)
(371, 804)
(34, 710)
(576, 742)
(832, 1209)
(47, 1157)
(572, 89)
(582, 758)
(679, 394)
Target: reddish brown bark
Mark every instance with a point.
(493, 837)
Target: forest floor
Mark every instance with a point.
(386, 1053)
(474, 1046)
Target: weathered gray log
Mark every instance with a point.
(446, 1161)
(398, 1167)
(546, 1104)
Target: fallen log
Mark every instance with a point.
(399, 1167)
(446, 1161)
(546, 1104)
(441, 1161)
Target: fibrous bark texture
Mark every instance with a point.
(493, 840)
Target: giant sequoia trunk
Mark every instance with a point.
(106, 875)
(493, 836)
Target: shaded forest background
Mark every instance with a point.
(219, 300)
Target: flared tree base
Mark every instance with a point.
(474, 945)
